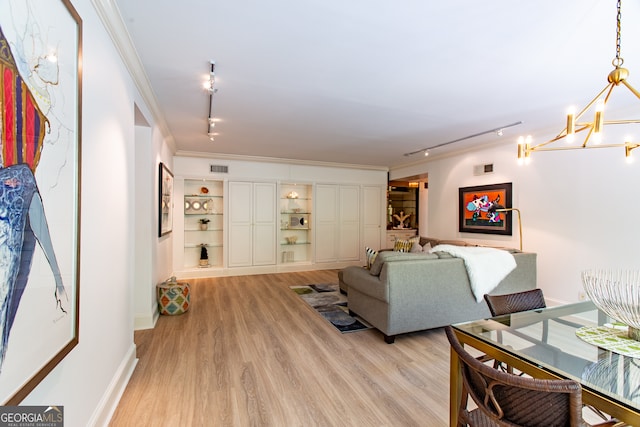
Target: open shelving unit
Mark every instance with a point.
(403, 199)
(295, 237)
(203, 203)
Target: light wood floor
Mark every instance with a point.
(250, 352)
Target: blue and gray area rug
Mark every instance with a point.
(327, 300)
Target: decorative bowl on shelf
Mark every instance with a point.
(296, 210)
(291, 239)
(617, 294)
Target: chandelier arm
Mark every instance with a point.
(592, 125)
(606, 98)
(577, 147)
(542, 144)
(631, 88)
(563, 134)
(585, 126)
(622, 122)
(586, 139)
(594, 100)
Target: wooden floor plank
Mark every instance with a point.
(250, 352)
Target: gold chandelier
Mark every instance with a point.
(593, 129)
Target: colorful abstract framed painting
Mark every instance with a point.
(477, 209)
(165, 200)
(40, 125)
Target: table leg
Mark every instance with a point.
(455, 388)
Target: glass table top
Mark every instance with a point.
(547, 338)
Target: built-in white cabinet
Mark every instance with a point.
(349, 223)
(252, 223)
(296, 205)
(268, 216)
(326, 223)
(203, 224)
(337, 222)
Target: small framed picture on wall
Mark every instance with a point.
(165, 199)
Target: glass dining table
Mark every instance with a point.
(545, 344)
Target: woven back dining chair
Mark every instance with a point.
(504, 399)
(513, 303)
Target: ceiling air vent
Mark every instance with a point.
(218, 169)
(483, 169)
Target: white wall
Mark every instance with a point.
(423, 216)
(164, 250)
(89, 380)
(578, 208)
(148, 246)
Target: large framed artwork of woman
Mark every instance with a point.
(40, 126)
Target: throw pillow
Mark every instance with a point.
(371, 256)
(416, 248)
(402, 246)
(405, 245)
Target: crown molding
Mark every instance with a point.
(237, 157)
(112, 19)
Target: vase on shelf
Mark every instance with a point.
(204, 227)
(204, 256)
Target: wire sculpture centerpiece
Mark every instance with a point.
(616, 293)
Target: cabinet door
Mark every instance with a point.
(264, 224)
(326, 222)
(240, 229)
(372, 216)
(349, 224)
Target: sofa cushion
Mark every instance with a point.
(432, 241)
(391, 256)
(453, 242)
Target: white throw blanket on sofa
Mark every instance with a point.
(486, 267)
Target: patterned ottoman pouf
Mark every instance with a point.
(173, 297)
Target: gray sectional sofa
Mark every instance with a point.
(409, 292)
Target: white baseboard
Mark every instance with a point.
(111, 397)
(265, 269)
(145, 321)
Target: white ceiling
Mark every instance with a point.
(364, 81)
